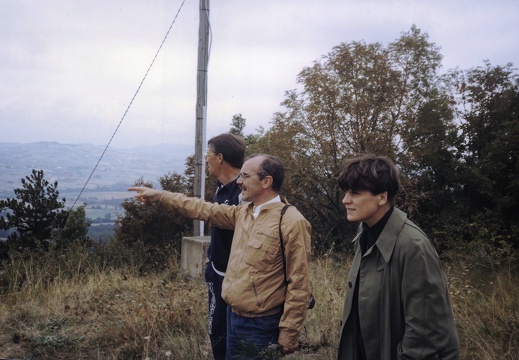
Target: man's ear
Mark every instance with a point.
(220, 158)
(384, 199)
(267, 181)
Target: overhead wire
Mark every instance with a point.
(127, 108)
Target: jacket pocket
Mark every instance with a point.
(262, 251)
(259, 303)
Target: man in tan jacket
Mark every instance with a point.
(265, 308)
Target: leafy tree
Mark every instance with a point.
(237, 125)
(488, 195)
(431, 172)
(188, 180)
(36, 213)
(151, 225)
(359, 98)
(75, 229)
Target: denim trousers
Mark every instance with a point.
(248, 337)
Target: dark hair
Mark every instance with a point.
(272, 166)
(375, 174)
(232, 148)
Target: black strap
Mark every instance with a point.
(281, 242)
(311, 302)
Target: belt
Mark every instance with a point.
(217, 271)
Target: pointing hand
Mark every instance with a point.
(145, 194)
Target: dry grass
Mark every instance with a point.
(83, 310)
(104, 315)
(486, 309)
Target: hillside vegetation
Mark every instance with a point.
(76, 305)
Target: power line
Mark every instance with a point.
(129, 105)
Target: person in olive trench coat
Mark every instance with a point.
(396, 305)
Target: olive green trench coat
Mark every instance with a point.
(403, 304)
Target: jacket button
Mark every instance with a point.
(349, 284)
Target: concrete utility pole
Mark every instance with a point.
(201, 109)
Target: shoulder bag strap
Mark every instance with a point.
(281, 241)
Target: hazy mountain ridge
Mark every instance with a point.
(72, 164)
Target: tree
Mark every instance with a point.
(36, 213)
(430, 180)
(488, 195)
(75, 229)
(359, 98)
(237, 125)
(149, 224)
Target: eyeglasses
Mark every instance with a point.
(246, 176)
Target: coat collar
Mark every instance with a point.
(387, 239)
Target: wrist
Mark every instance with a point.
(161, 195)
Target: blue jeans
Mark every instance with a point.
(248, 337)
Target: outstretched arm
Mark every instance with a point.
(146, 195)
(220, 215)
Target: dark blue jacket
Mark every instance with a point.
(221, 239)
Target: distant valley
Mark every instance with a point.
(72, 164)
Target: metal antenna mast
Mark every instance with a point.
(201, 109)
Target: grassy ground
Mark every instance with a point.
(82, 310)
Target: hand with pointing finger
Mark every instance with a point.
(146, 195)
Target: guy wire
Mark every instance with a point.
(126, 111)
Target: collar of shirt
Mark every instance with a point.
(219, 185)
(371, 234)
(257, 209)
(229, 187)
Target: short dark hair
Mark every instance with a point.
(232, 148)
(272, 166)
(376, 174)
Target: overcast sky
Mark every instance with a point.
(69, 68)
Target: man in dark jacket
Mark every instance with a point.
(397, 305)
(224, 158)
